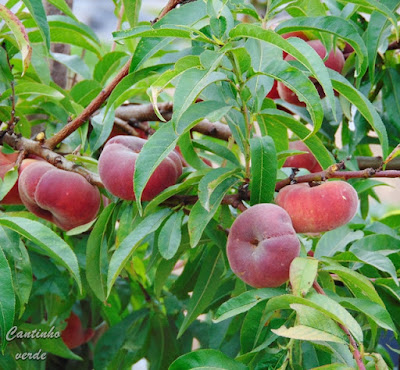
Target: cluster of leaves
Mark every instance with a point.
(125, 277)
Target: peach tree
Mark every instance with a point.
(200, 192)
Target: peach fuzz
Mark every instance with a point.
(319, 208)
(261, 246)
(334, 61)
(117, 165)
(62, 197)
(306, 160)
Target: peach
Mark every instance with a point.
(117, 165)
(74, 335)
(62, 197)
(299, 34)
(319, 208)
(306, 160)
(261, 246)
(334, 61)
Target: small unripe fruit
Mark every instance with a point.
(306, 160)
(334, 61)
(62, 197)
(261, 246)
(319, 208)
(117, 165)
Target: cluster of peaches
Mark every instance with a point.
(262, 241)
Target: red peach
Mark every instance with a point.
(117, 165)
(74, 335)
(319, 208)
(62, 197)
(334, 61)
(299, 34)
(306, 160)
(261, 246)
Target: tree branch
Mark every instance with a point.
(353, 344)
(331, 174)
(28, 146)
(88, 111)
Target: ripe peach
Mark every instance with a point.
(299, 34)
(319, 208)
(117, 165)
(74, 335)
(306, 160)
(334, 61)
(261, 246)
(62, 197)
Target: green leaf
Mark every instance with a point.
(19, 33)
(39, 15)
(191, 180)
(301, 332)
(373, 250)
(323, 304)
(180, 31)
(377, 6)
(313, 318)
(263, 170)
(245, 302)
(128, 335)
(132, 10)
(298, 82)
(336, 241)
(365, 107)
(34, 88)
(21, 269)
(108, 65)
(375, 33)
(191, 83)
(357, 283)
(131, 242)
(200, 217)
(206, 359)
(374, 311)
(209, 184)
(170, 235)
(218, 149)
(7, 299)
(315, 145)
(74, 63)
(48, 240)
(63, 6)
(9, 180)
(303, 272)
(205, 288)
(298, 49)
(96, 254)
(337, 26)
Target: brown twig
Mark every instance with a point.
(170, 5)
(344, 175)
(120, 15)
(353, 344)
(28, 146)
(88, 111)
